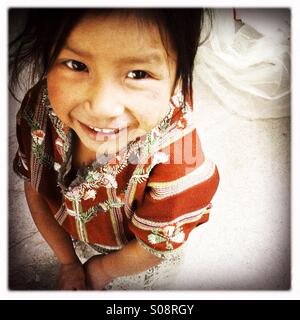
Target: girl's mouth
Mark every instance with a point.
(101, 134)
(105, 131)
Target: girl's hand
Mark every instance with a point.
(96, 277)
(71, 277)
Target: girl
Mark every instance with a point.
(115, 177)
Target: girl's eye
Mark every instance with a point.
(138, 74)
(76, 65)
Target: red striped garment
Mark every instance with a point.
(157, 190)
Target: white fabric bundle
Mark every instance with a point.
(248, 70)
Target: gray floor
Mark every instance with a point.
(246, 243)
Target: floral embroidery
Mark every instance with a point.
(62, 143)
(167, 234)
(86, 216)
(185, 119)
(95, 179)
(28, 116)
(56, 166)
(90, 194)
(86, 190)
(178, 99)
(82, 216)
(141, 174)
(38, 136)
(109, 204)
(181, 124)
(76, 193)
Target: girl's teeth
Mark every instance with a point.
(107, 130)
(103, 130)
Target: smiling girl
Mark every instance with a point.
(112, 162)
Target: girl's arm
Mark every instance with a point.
(71, 275)
(133, 258)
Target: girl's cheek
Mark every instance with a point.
(54, 90)
(59, 99)
(154, 103)
(58, 88)
(53, 83)
(155, 96)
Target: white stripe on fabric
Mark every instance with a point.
(183, 219)
(161, 190)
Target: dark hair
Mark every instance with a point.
(38, 45)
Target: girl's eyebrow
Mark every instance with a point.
(77, 51)
(149, 58)
(153, 57)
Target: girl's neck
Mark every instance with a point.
(81, 155)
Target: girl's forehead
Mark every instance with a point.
(118, 32)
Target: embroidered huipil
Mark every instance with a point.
(157, 190)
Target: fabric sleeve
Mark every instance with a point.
(172, 209)
(21, 163)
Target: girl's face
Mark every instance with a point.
(112, 81)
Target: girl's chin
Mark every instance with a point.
(106, 148)
(109, 146)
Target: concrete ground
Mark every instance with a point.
(246, 243)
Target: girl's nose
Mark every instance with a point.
(104, 100)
